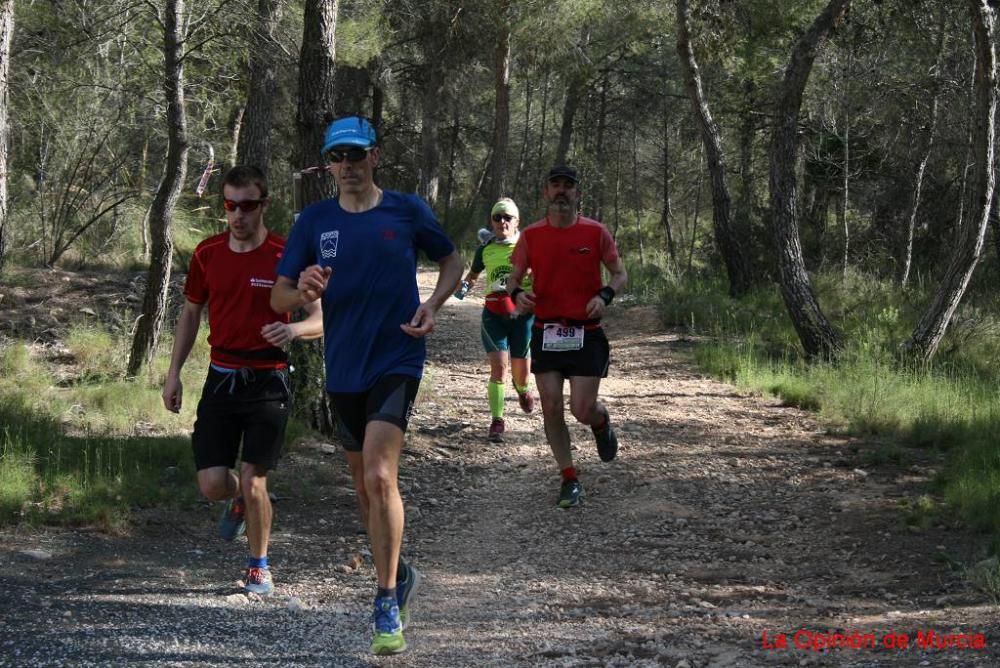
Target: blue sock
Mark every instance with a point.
(386, 593)
(253, 562)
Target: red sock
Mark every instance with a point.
(569, 473)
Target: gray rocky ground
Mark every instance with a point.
(726, 517)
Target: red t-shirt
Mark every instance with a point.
(237, 289)
(566, 265)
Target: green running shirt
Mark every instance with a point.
(494, 259)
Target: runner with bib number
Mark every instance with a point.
(565, 252)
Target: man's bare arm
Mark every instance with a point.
(185, 335)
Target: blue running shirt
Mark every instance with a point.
(373, 287)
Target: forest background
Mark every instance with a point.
(805, 186)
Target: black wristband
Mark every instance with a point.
(606, 293)
(515, 292)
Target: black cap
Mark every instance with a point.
(566, 171)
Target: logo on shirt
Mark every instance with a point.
(388, 235)
(328, 244)
(582, 250)
(261, 282)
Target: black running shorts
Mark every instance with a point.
(389, 400)
(590, 360)
(247, 405)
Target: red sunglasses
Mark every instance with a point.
(246, 205)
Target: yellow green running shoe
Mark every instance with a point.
(388, 630)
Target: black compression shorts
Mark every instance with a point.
(389, 400)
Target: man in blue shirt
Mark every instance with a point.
(358, 252)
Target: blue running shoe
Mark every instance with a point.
(258, 581)
(406, 590)
(233, 524)
(388, 630)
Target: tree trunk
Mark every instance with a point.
(427, 185)
(378, 104)
(501, 118)
(819, 338)
(846, 187)
(602, 126)
(618, 188)
(353, 90)
(315, 104)
(254, 147)
(693, 219)
(926, 144)
(667, 213)
(6, 32)
(637, 191)
(743, 215)
(160, 214)
(235, 127)
(967, 162)
(927, 335)
(316, 94)
(541, 138)
(449, 192)
(732, 248)
(523, 153)
(574, 93)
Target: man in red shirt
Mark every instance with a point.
(245, 398)
(565, 252)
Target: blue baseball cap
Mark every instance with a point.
(349, 131)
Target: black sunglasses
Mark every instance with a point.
(502, 217)
(353, 154)
(246, 205)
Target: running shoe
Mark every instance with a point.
(607, 440)
(570, 493)
(258, 581)
(233, 524)
(388, 630)
(496, 430)
(527, 401)
(406, 590)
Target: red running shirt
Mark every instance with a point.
(237, 289)
(565, 264)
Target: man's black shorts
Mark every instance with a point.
(389, 400)
(590, 360)
(248, 405)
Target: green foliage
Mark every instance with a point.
(20, 373)
(84, 450)
(97, 354)
(49, 475)
(362, 35)
(648, 276)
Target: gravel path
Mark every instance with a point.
(727, 524)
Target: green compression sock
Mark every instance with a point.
(521, 389)
(495, 392)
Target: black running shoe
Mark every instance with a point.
(570, 493)
(607, 440)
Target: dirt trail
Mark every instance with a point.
(725, 517)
